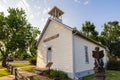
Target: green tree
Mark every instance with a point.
(88, 29)
(16, 34)
(110, 37)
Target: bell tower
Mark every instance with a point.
(56, 14)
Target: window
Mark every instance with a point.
(86, 55)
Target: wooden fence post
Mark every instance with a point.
(31, 78)
(11, 69)
(8, 67)
(16, 74)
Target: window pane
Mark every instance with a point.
(86, 54)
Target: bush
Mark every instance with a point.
(113, 65)
(58, 74)
(33, 61)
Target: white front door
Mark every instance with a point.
(49, 55)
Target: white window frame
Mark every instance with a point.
(47, 59)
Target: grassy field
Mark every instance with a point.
(110, 75)
(3, 71)
(1, 66)
(26, 67)
(21, 65)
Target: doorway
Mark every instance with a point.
(49, 54)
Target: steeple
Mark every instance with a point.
(56, 14)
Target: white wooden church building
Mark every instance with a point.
(69, 50)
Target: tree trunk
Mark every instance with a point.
(4, 62)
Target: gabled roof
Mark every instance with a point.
(46, 25)
(75, 32)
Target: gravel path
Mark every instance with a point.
(9, 77)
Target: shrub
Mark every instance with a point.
(33, 61)
(113, 65)
(58, 74)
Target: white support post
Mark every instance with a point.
(55, 12)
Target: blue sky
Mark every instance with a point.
(76, 11)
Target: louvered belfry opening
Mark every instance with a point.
(56, 14)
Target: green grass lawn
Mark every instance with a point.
(26, 67)
(21, 65)
(1, 65)
(3, 71)
(110, 75)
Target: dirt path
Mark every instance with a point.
(9, 77)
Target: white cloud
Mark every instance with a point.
(26, 4)
(23, 4)
(43, 21)
(38, 13)
(37, 7)
(31, 16)
(86, 2)
(78, 1)
(48, 8)
(5, 1)
(3, 9)
(45, 10)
